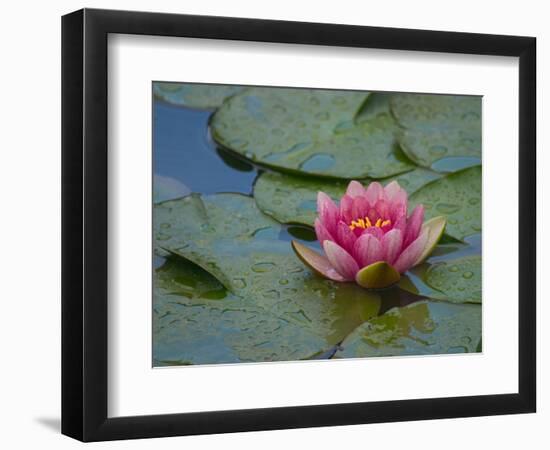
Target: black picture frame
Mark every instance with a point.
(84, 224)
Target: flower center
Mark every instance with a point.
(366, 223)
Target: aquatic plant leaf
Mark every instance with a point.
(200, 96)
(436, 111)
(457, 197)
(439, 131)
(456, 146)
(196, 320)
(457, 280)
(167, 188)
(230, 238)
(310, 131)
(425, 327)
(293, 199)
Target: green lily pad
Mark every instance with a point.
(309, 131)
(200, 96)
(437, 112)
(457, 197)
(230, 238)
(376, 106)
(293, 199)
(425, 327)
(439, 127)
(457, 280)
(167, 188)
(427, 147)
(197, 321)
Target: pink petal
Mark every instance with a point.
(411, 254)
(318, 263)
(391, 189)
(322, 233)
(374, 231)
(345, 237)
(383, 209)
(346, 206)
(328, 211)
(391, 245)
(400, 224)
(368, 250)
(414, 223)
(355, 189)
(374, 192)
(360, 208)
(398, 205)
(373, 215)
(341, 260)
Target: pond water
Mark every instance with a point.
(187, 160)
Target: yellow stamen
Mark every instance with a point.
(366, 223)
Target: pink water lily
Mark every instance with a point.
(368, 237)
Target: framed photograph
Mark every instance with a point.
(274, 225)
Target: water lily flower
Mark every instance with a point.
(368, 238)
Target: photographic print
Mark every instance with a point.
(297, 224)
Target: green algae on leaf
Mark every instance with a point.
(200, 96)
(230, 238)
(425, 327)
(457, 197)
(309, 131)
(457, 280)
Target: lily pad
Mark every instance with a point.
(376, 106)
(456, 196)
(230, 238)
(293, 199)
(427, 147)
(167, 188)
(197, 321)
(457, 280)
(309, 131)
(200, 96)
(425, 327)
(437, 111)
(439, 127)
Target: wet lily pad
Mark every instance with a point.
(309, 131)
(439, 127)
(293, 199)
(200, 96)
(456, 196)
(457, 280)
(197, 321)
(167, 188)
(426, 327)
(427, 147)
(436, 111)
(230, 238)
(376, 106)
